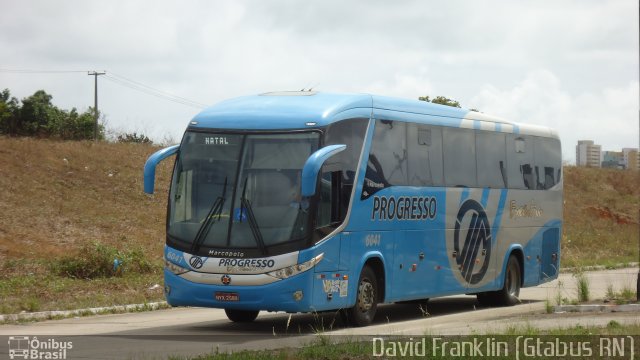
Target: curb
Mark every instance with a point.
(596, 308)
(601, 267)
(46, 315)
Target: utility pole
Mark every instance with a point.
(95, 102)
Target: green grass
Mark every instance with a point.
(344, 350)
(612, 328)
(624, 296)
(98, 260)
(41, 289)
(582, 287)
(320, 349)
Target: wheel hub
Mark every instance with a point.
(365, 296)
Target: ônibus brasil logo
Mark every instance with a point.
(25, 347)
(474, 251)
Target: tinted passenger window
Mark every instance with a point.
(425, 155)
(459, 157)
(548, 162)
(351, 133)
(492, 159)
(387, 163)
(521, 171)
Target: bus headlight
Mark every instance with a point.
(296, 269)
(176, 269)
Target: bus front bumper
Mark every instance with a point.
(293, 294)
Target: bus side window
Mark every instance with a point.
(520, 165)
(459, 157)
(548, 161)
(387, 163)
(339, 171)
(425, 155)
(492, 159)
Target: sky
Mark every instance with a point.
(569, 65)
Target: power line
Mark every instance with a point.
(120, 80)
(31, 71)
(155, 93)
(156, 90)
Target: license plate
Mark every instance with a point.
(226, 296)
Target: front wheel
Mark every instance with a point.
(363, 312)
(241, 315)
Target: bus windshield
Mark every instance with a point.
(239, 191)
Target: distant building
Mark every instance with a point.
(613, 159)
(588, 154)
(630, 158)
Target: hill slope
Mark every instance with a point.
(601, 213)
(59, 195)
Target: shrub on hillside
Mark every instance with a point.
(99, 261)
(134, 138)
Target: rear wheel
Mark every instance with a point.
(241, 315)
(363, 312)
(510, 292)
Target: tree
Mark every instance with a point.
(440, 100)
(9, 112)
(39, 117)
(36, 114)
(71, 125)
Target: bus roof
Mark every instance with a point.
(305, 109)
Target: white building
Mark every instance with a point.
(588, 154)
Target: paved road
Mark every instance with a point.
(191, 331)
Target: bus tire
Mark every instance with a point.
(241, 315)
(510, 292)
(363, 312)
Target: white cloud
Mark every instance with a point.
(403, 85)
(608, 116)
(211, 50)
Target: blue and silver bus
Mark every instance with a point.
(310, 201)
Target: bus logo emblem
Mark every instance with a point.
(196, 262)
(474, 251)
(226, 279)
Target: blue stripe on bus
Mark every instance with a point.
(476, 124)
(498, 127)
(497, 221)
(485, 196)
(464, 195)
(516, 129)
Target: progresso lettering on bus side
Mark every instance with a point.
(404, 208)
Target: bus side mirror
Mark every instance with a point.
(152, 162)
(313, 165)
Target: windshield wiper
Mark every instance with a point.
(255, 229)
(214, 211)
